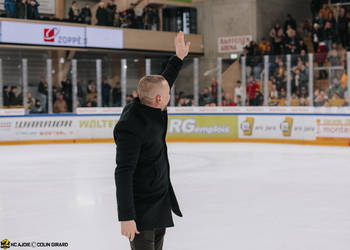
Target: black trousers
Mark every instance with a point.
(148, 240)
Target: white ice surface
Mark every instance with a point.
(233, 196)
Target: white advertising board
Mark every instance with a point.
(42, 34)
(104, 38)
(277, 127)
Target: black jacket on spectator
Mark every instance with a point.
(144, 190)
(13, 99)
(6, 98)
(86, 15)
(21, 9)
(101, 15)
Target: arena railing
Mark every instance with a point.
(287, 80)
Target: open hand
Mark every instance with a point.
(129, 229)
(181, 47)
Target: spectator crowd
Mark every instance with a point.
(106, 14)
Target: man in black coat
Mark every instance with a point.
(145, 196)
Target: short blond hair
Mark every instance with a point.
(147, 87)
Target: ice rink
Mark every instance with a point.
(233, 196)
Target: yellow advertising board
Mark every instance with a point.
(202, 126)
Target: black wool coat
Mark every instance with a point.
(143, 188)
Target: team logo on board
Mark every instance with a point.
(287, 126)
(247, 126)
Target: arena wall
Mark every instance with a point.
(299, 125)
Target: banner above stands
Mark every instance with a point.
(60, 35)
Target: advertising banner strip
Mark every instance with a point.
(60, 35)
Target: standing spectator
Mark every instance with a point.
(263, 46)
(74, 12)
(42, 89)
(60, 105)
(214, 88)
(251, 90)
(106, 89)
(21, 9)
(117, 95)
(10, 8)
(33, 9)
(328, 35)
(343, 28)
(148, 18)
(80, 93)
(316, 35)
(277, 37)
(101, 14)
(13, 98)
(238, 90)
(290, 22)
(321, 57)
(325, 11)
(86, 14)
(111, 10)
(131, 16)
(67, 93)
(6, 96)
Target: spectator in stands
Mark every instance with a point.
(86, 14)
(60, 105)
(238, 91)
(131, 16)
(67, 93)
(89, 86)
(13, 98)
(37, 108)
(315, 7)
(239, 100)
(80, 93)
(273, 95)
(54, 94)
(277, 37)
(101, 14)
(206, 97)
(30, 101)
(306, 28)
(334, 57)
(117, 95)
(321, 57)
(290, 22)
(42, 89)
(343, 28)
(302, 46)
(251, 88)
(316, 36)
(21, 9)
(106, 89)
(214, 88)
(74, 13)
(33, 9)
(91, 98)
(325, 11)
(111, 11)
(6, 96)
(328, 35)
(228, 100)
(263, 45)
(10, 8)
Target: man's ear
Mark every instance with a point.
(158, 99)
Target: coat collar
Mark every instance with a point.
(148, 109)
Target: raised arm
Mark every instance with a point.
(175, 62)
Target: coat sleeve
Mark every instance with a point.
(128, 150)
(172, 70)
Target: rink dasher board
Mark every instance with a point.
(185, 127)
